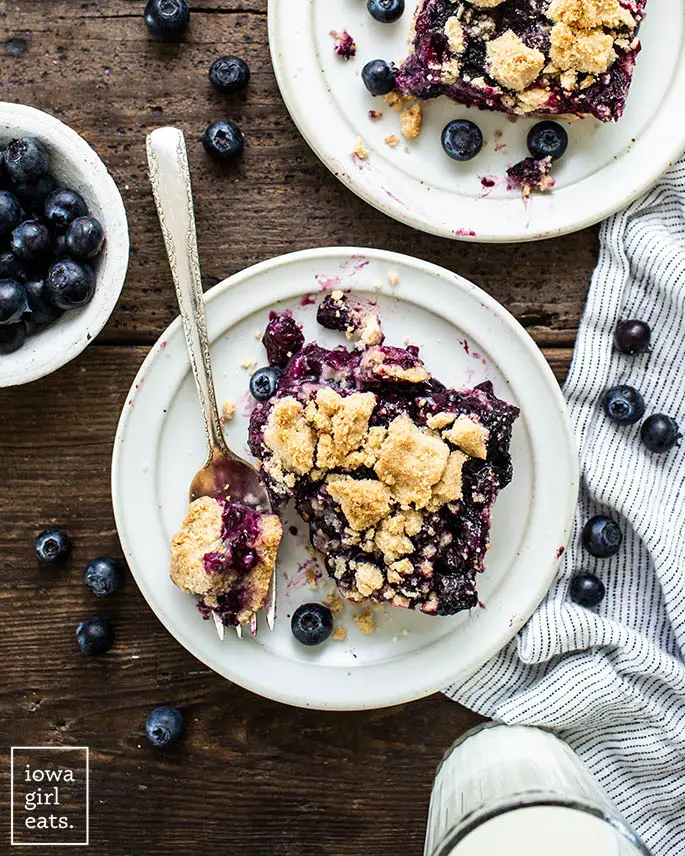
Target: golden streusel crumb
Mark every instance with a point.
(411, 119)
(365, 621)
(360, 149)
(228, 409)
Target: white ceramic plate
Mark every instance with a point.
(74, 164)
(606, 166)
(465, 337)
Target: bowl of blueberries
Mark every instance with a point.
(63, 244)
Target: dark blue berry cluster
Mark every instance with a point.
(48, 241)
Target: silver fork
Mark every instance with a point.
(223, 471)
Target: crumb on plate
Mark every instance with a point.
(365, 621)
(360, 149)
(392, 141)
(339, 634)
(228, 409)
(411, 119)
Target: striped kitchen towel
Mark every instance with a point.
(611, 681)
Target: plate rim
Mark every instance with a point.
(489, 302)
(668, 155)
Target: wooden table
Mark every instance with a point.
(251, 776)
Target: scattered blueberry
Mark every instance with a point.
(26, 160)
(32, 195)
(601, 537)
(312, 623)
(53, 546)
(12, 337)
(379, 77)
(547, 140)
(70, 284)
(385, 11)
(624, 405)
(85, 237)
(587, 590)
(264, 383)
(229, 73)
(11, 267)
(95, 636)
(10, 212)
(62, 206)
(31, 241)
(632, 337)
(164, 726)
(40, 309)
(13, 301)
(660, 433)
(462, 139)
(166, 18)
(223, 140)
(102, 577)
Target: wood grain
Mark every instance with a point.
(250, 776)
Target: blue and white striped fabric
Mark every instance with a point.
(611, 682)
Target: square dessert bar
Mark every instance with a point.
(553, 57)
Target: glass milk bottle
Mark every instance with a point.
(522, 792)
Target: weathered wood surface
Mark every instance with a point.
(251, 776)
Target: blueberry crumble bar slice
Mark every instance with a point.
(573, 57)
(395, 473)
(225, 553)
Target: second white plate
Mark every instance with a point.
(606, 165)
(465, 338)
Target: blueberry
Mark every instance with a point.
(85, 237)
(385, 11)
(166, 18)
(53, 546)
(462, 139)
(164, 726)
(41, 311)
(32, 195)
(26, 161)
(59, 245)
(586, 590)
(660, 433)
(547, 140)
(601, 537)
(13, 301)
(95, 636)
(31, 241)
(229, 73)
(102, 577)
(10, 212)
(223, 140)
(632, 337)
(624, 405)
(70, 284)
(379, 77)
(264, 383)
(312, 623)
(62, 206)
(12, 337)
(11, 267)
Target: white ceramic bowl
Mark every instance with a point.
(74, 164)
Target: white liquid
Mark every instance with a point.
(506, 767)
(542, 831)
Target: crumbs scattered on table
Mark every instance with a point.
(360, 149)
(344, 45)
(375, 114)
(392, 141)
(339, 634)
(365, 621)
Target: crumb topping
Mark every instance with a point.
(411, 119)
(581, 50)
(368, 579)
(487, 4)
(455, 35)
(363, 501)
(411, 461)
(512, 63)
(374, 361)
(591, 14)
(289, 436)
(469, 436)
